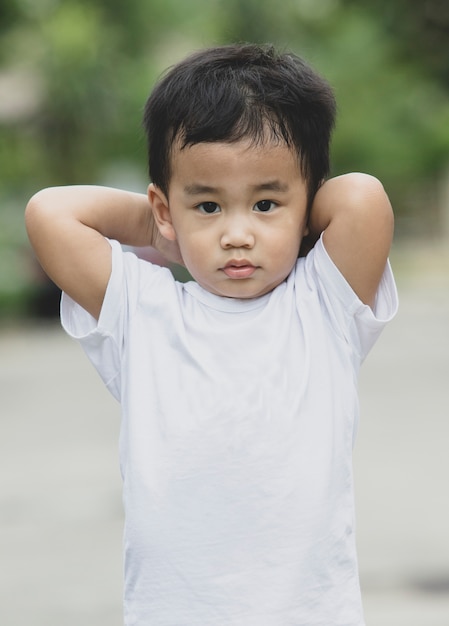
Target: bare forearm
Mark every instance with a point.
(116, 214)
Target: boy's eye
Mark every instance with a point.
(208, 207)
(264, 205)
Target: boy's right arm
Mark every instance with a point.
(67, 227)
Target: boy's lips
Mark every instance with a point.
(239, 269)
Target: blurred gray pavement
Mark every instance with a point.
(60, 489)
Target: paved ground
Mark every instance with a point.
(401, 457)
(60, 503)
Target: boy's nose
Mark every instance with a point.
(237, 238)
(237, 234)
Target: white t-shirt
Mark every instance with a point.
(239, 418)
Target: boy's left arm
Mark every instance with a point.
(356, 216)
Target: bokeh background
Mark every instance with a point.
(74, 76)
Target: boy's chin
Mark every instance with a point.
(241, 289)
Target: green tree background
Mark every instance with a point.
(74, 75)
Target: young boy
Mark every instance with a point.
(238, 389)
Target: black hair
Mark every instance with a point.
(241, 91)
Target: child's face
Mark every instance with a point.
(238, 213)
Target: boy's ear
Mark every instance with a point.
(161, 212)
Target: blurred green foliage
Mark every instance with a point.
(74, 76)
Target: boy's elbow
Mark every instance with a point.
(367, 196)
(39, 216)
(36, 203)
(32, 211)
(362, 187)
(41, 204)
(358, 198)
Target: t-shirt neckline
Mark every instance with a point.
(222, 303)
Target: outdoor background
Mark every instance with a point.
(74, 76)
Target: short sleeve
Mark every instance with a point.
(359, 324)
(102, 341)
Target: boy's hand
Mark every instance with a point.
(355, 214)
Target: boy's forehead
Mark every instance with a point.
(267, 152)
(234, 167)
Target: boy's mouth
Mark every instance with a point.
(239, 269)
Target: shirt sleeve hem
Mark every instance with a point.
(78, 323)
(386, 300)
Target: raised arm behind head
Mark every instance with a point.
(355, 215)
(68, 227)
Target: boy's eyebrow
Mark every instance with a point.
(272, 185)
(196, 189)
